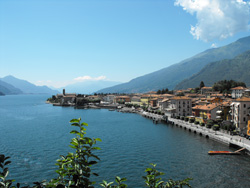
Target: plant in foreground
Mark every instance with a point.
(74, 169)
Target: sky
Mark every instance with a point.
(59, 42)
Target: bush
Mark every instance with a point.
(191, 120)
(196, 122)
(186, 118)
(202, 124)
(182, 118)
(216, 127)
(177, 117)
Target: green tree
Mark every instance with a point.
(202, 84)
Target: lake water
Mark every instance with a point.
(35, 134)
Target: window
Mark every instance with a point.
(244, 105)
(244, 119)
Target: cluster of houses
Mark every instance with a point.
(203, 106)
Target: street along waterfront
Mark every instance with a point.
(34, 134)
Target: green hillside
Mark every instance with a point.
(169, 77)
(237, 69)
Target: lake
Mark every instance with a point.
(34, 134)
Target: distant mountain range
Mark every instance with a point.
(171, 76)
(237, 68)
(88, 87)
(10, 85)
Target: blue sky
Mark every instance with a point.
(49, 42)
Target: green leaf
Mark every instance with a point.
(84, 124)
(98, 139)
(75, 120)
(74, 132)
(75, 124)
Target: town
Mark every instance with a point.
(228, 112)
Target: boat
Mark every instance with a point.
(222, 153)
(226, 152)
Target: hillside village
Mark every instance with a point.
(207, 108)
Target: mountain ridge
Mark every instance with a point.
(172, 75)
(27, 87)
(237, 69)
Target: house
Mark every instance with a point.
(153, 102)
(108, 99)
(67, 98)
(180, 106)
(122, 99)
(136, 100)
(240, 111)
(205, 90)
(237, 92)
(206, 111)
(163, 104)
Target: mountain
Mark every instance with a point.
(169, 77)
(27, 87)
(88, 87)
(237, 69)
(8, 89)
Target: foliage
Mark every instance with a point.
(216, 127)
(191, 120)
(180, 94)
(182, 118)
(186, 119)
(4, 182)
(196, 122)
(163, 91)
(202, 84)
(224, 86)
(153, 180)
(74, 170)
(202, 124)
(118, 180)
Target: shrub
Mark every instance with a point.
(202, 124)
(182, 118)
(186, 118)
(177, 117)
(196, 122)
(191, 120)
(216, 127)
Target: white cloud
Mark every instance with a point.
(217, 19)
(84, 78)
(213, 45)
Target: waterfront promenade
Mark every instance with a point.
(218, 136)
(215, 135)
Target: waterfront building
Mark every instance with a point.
(237, 92)
(180, 106)
(206, 112)
(109, 99)
(122, 99)
(240, 111)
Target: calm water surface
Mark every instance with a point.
(35, 134)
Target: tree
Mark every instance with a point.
(202, 84)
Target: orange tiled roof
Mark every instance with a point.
(181, 98)
(239, 88)
(206, 107)
(206, 87)
(243, 99)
